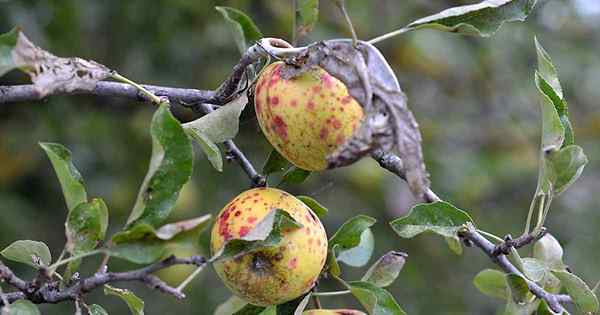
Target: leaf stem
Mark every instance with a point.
(151, 96)
(189, 279)
(57, 264)
(341, 4)
(389, 35)
(332, 293)
(490, 235)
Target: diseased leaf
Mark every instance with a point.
(294, 175)
(142, 244)
(223, 123)
(32, 253)
(492, 283)
(376, 300)
(482, 19)
(23, 307)
(8, 42)
(548, 250)
(48, 73)
(242, 27)
(439, 217)
(69, 177)
(268, 232)
(314, 205)
(96, 309)
(307, 15)
(359, 255)
(231, 306)
(585, 300)
(86, 226)
(135, 304)
(386, 269)
(350, 233)
(208, 147)
(170, 168)
(519, 290)
(275, 163)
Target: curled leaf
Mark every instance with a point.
(386, 269)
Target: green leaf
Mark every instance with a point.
(268, 232)
(386, 269)
(332, 265)
(96, 309)
(549, 250)
(481, 19)
(275, 163)
(513, 308)
(349, 234)
(439, 217)
(534, 269)
(454, 244)
(223, 123)
(32, 253)
(359, 255)
(544, 309)
(208, 147)
(294, 175)
(250, 309)
(565, 167)
(492, 283)
(142, 244)
(582, 296)
(307, 15)
(69, 177)
(170, 168)
(243, 28)
(271, 310)
(519, 290)
(135, 304)
(86, 226)
(231, 306)
(23, 307)
(314, 205)
(546, 80)
(8, 41)
(376, 301)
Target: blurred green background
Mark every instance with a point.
(474, 98)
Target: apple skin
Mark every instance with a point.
(333, 312)
(272, 275)
(305, 118)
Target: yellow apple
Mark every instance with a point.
(307, 117)
(277, 274)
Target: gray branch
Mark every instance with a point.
(50, 291)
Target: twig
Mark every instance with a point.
(50, 292)
(504, 247)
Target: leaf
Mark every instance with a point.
(546, 80)
(454, 244)
(549, 250)
(579, 291)
(268, 232)
(69, 177)
(314, 205)
(386, 269)
(534, 269)
(303, 303)
(359, 255)
(349, 234)
(86, 226)
(48, 73)
(544, 309)
(481, 19)
(242, 27)
(32, 253)
(23, 307)
(519, 290)
(142, 244)
(231, 306)
(565, 167)
(439, 217)
(307, 15)
(135, 304)
(275, 163)
(270, 310)
(8, 42)
(96, 309)
(170, 168)
(332, 265)
(208, 147)
(377, 301)
(492, 283)
(513, 308)
(294, 175)
(223, 123)
(250, 309)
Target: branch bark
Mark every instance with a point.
(50, 291)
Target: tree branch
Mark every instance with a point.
(50, 291)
